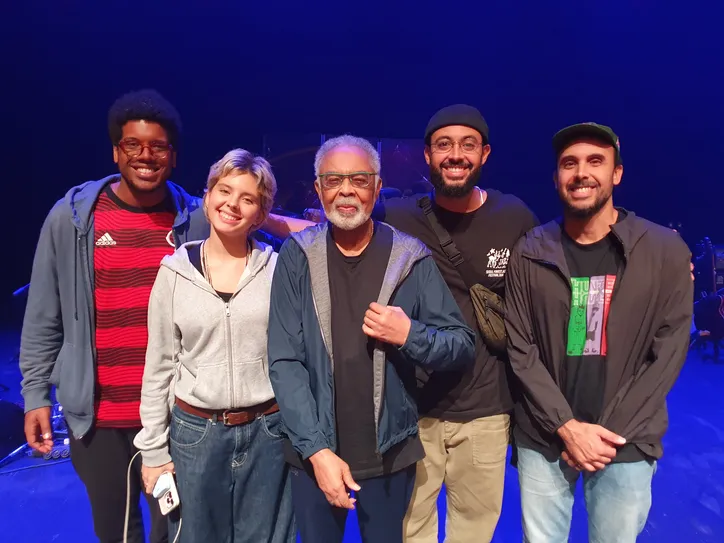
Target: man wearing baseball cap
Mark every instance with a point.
(598, 313)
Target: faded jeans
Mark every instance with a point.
(618, 499)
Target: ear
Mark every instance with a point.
(378, 189)
(205, 205)
(115, 154)
(485, 153)
(318, 189)
(427, 154)
(555, 178)
(617, 174)
(173, 159)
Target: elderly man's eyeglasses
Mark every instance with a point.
(134, 148)
(468, 146)
(360, 180)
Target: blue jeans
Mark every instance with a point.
(618, 499)
(233, 482)
(380, 507)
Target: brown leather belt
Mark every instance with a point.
(231, 417)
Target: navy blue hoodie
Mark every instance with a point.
(301, 361)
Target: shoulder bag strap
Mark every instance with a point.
(446, 242)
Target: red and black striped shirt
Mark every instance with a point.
(129, 245)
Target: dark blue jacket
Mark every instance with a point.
(57, 345)
(301, 361)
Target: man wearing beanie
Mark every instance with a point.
(598, 315)
(465, 416)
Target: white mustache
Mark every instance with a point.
(347, 202)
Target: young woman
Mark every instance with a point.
(207, 406)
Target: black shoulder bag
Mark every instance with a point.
(489, 311)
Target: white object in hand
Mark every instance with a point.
(166, 494)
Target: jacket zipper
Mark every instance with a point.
(91, 317)
(566, 280)
(384, 362)
(229, 353)
(331, 364)
(619, 275)
(616, 288)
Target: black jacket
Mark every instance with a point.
(648, 331)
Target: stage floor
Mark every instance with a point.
(43, 501)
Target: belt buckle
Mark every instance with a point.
(225, 418)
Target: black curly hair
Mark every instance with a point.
(144, 105)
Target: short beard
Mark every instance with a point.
(454, 191)
(347, 223)
(586, 212)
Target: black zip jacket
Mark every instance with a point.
(648, 332)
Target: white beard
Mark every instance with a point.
(347, 222)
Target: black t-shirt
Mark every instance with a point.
(594, 269)
(354, 283)
(484, 237)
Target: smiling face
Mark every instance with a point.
(348, 200)
(144, 155)
(586, 175)
(233, 205)
(456, 155)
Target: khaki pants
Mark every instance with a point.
(469, 458)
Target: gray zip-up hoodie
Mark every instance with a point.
(209, 353)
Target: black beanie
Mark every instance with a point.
(457, 115)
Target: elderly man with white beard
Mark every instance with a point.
(355, 306)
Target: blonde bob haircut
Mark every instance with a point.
(240, 161)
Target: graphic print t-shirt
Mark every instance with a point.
(484, 237)
(593, 270)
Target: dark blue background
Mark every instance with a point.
(239, 70)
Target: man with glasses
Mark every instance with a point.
(465, 419)
(85, 324)
(355, 306)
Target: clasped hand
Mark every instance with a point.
(588, 447)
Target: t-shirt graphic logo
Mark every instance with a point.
(497, 262)
(590, 304)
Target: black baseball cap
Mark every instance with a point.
(563, 138)
(457, 115)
